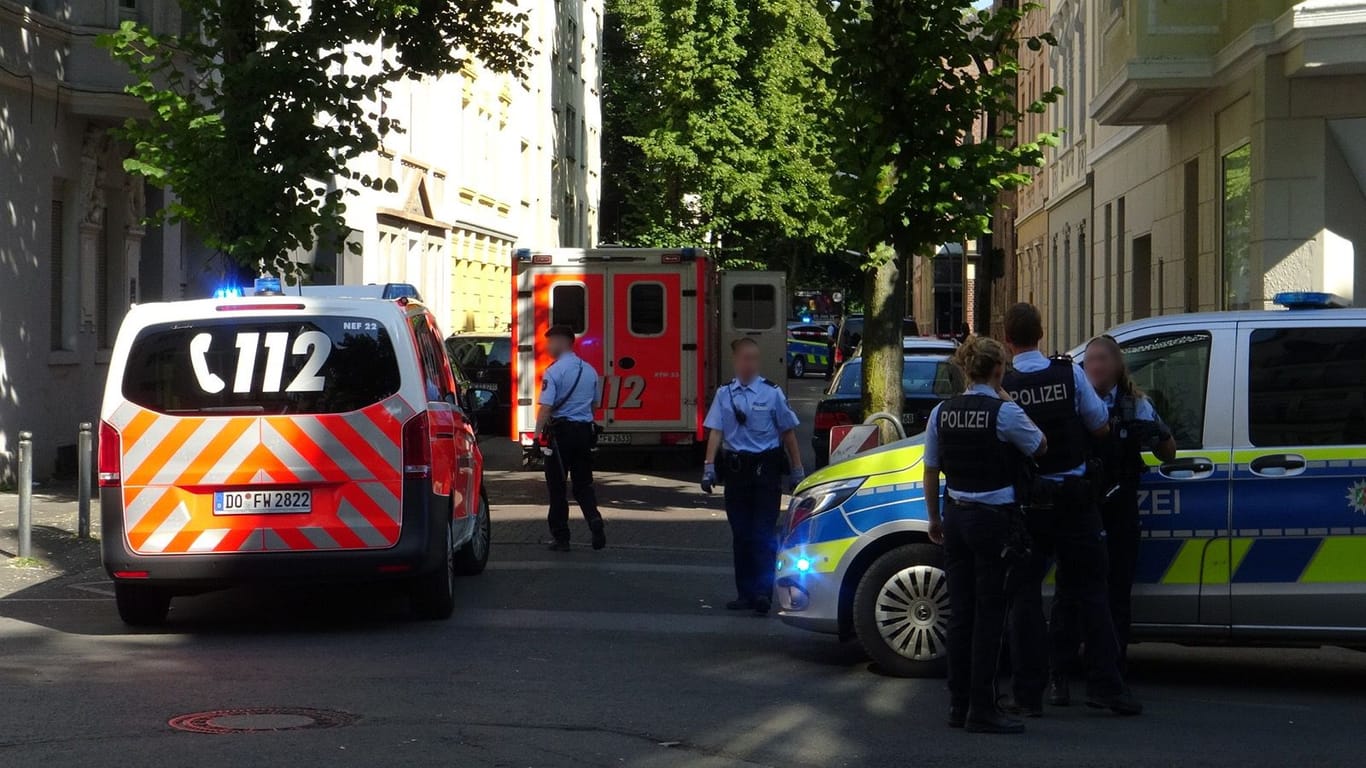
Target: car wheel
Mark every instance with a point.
(140, 605)
(471, 559)
(434, 592)
(798, 367)
(901, 611)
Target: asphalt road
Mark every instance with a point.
(617, 658)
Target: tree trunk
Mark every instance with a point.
(882, 356)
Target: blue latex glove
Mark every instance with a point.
(708, 478)
(795, 478)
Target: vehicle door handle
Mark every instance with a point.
(1278, 465)
(1195, 468)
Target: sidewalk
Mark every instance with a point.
(56, 550)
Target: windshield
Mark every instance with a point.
(918, 378)
(262, 365)
(480, 353)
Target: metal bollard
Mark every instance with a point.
(84, 460)
(25, 494)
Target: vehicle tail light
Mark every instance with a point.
(417, 450)
(131, 574)
(839, 356)
(676, 438)
(109, 464)
(831, 419)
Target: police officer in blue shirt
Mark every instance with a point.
(752, 417)
(564, 424)
(978, 439)
(1135, 427)
(1057, 396)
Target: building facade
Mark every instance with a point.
(488, 163)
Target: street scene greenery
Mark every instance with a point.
(256, 108)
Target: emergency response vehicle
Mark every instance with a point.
(655, 323)
(1254, 534)
(286, 439)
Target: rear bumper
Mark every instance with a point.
(420, 549)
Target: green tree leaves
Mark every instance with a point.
(256, 110)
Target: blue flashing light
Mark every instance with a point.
(228, 292)
(803, 564)
(522, 254)
(267, 286)
(1310, 300)
(689, 253)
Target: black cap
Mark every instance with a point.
(560, 330)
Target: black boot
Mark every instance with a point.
(1122, 703)
(992, 721)
(958, 715)
(1058, 693)
(599, 538)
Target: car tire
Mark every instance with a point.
(798, 367)
(473, 557)
(434, 592)
(140, 605)
(901, 612)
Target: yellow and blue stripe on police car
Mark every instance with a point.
(816, 352)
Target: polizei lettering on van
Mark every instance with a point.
(952, 418)
(1051, 393)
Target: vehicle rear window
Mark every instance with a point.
(267, 366)
(645, 309)
(569, 306)
(919, 378)
(480, 353)
(755, 307)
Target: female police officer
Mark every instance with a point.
(752, 417)
(978, 439)
(1134, 427)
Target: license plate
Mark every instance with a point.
(614, 438)
(262, 502)
(485, 387)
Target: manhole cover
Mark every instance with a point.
(259, 719)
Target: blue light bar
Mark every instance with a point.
(228, 292)
(1309, 300)
(267, 286)
(522, 254)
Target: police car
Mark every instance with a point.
(808, 349)
(1254, 534)
(285, 439)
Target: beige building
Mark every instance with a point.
(1241, 170)
(1032, 254)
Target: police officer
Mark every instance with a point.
(564, 422)
(1058, 397)
(1134, 427)
(752, 417)
(978, 439)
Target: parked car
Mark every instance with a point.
(850, 335)
(808, 349)
(486, 358)
(1252, 535)
(286, 439)
(926, 380)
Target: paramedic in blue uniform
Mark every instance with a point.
(1064, 520)
(751, 416)
(564, 422)
(1135, 427)
(979, 440)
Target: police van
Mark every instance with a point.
(1254, 534)
(286, 439)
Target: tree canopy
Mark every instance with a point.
(713, 129)
(256, 108)
(913, 85)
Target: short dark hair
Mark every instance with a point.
(743, 341)
(1024, 326)
(562, 331)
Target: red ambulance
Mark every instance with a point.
(655, 323)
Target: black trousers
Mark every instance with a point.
(754, 493)
(572, 461)
(1119, 515)
(1081, 600)
(1027, 635)
(975, 538)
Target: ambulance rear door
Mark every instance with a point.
(649, 382)
(754, 304)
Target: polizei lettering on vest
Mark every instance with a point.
(960, 419)
(1040, 395)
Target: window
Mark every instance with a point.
(1173, 370)
(571, 133)
(919, 378)
(103, 327)
(1236, 231)
(1307, 386)
(754, 307)
(325, 365)
(569, 306)
(434, 367)
(57, 275)
(645, 309)
(1143, 276)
